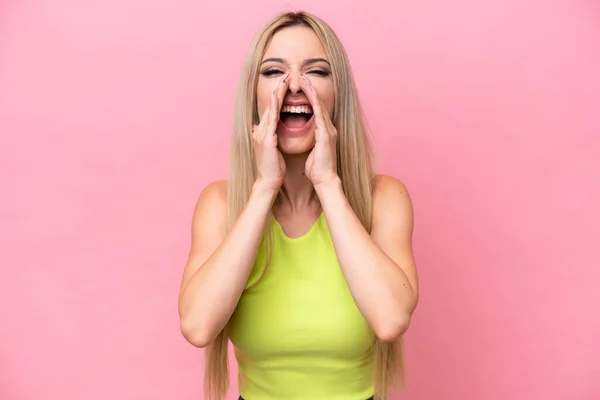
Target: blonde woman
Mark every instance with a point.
(303, 258)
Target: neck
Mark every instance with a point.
(298, 193)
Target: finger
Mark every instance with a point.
(277, 102)
(271, 122)
(263, 119)
(329, 121)
(260, 128)
(311, 93)
(322, 120)
(284, 84)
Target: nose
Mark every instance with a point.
(294, 86)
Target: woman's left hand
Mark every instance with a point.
(321, 165)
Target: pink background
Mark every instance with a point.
(115, 114)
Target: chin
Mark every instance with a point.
(295, 150)
(296, 145)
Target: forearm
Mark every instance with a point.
(212, 293)
(380, 288)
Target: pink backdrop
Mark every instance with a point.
(114, 115)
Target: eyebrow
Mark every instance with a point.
(307, 61)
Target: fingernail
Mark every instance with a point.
(281, 82)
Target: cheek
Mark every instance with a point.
(328, 101)
(264, 90)
(262, 97)
(327, 96)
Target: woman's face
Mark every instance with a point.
(295, 51)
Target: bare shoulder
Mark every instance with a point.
(392, 208)
(390, 193)
(209, 222)
(210, 214)
(214, 195)
(209, 226)
(393, 221)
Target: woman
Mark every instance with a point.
(303, 258)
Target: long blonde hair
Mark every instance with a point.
(354, 168)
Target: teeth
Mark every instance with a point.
(297, 109)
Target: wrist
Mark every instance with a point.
(263, 190)
(331, 186)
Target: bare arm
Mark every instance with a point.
(219, 262)
(379, 267)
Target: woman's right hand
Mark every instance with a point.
(269, 161)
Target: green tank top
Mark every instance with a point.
(298, 334)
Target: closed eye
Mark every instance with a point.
(271, 72)
(319, 72)
(274, 72)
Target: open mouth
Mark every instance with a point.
(295, 117)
